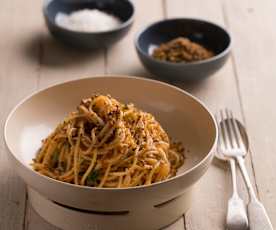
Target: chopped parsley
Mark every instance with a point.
(55, 157)
(92, 178)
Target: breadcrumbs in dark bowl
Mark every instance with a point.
(183, 49)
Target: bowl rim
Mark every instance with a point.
(113, 76)
(123, 25)
(224, 52)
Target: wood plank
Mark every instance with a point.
(59, 63)
(122, 58)
(32, 219)
(219, 91)
(18, 78)
(252, 23)
(178, 225)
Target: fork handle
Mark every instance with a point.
(246, 178)
(236, 218)
(258, 218)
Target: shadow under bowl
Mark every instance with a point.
(207, 34)
(122, 9)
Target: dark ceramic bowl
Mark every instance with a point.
(123, 9)
(205, 33)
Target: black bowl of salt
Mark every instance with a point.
(88, 24)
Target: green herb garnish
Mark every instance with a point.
(55, 157)
(92, 178)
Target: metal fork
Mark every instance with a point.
(236, 147)
(236, 218)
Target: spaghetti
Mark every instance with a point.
(108, 144)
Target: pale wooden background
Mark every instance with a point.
(30, 60)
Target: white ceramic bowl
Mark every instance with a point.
(184, 117)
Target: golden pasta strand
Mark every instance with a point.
(76, 157)
(105, 176)
(88, 171)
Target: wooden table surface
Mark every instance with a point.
(31, 60)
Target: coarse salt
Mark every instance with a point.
(87, 20)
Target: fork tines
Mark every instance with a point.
(230, 136)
